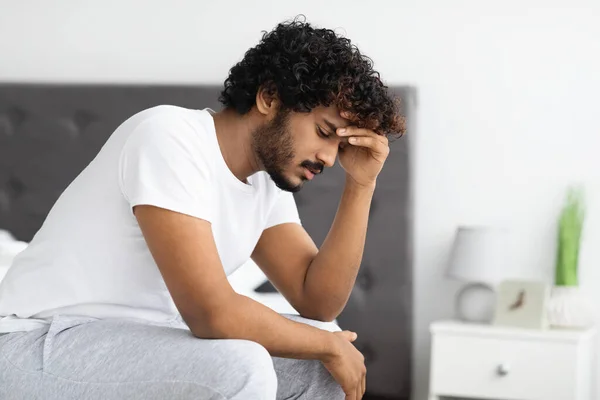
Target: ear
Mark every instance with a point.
(267, 102)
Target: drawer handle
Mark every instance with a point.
(503, 369)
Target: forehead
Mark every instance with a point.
(329, 115)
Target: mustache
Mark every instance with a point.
(314, 167)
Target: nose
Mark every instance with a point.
(328, 154)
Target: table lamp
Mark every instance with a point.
(479, 257)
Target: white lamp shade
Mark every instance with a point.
(480, 255)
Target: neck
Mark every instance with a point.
(234, 134)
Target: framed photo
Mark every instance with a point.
(522, 304)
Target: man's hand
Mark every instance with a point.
(347, 366)
(364, 153)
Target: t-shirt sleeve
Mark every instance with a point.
(283, 211)
(164, 164)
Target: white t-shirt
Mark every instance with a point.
(90, 258)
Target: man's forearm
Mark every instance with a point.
(244, 318)
(332, 273)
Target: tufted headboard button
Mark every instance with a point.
(14, 187)
(82, 119)
(11, 119)
(365, 278)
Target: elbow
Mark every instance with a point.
(321, 314)
(201, 328)
(327, 318)
(320, 309)
(211, 328)
(215, 323)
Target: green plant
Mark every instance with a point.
(569, 238)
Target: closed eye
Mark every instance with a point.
(322, 133)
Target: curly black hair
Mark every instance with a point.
(308, 67)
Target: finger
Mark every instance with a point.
(352, 130)
(358, 392)
(355, 131)
(349, 335)
(369, 142)
(351, 396)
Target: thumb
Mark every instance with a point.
(349, 335)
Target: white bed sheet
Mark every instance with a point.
(9, 248)
(249, 277)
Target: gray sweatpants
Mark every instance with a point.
(82, 358)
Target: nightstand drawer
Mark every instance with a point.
(492, 367)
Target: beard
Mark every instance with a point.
(274, 146)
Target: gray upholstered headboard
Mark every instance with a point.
(49, 133)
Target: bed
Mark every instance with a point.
(48, 134)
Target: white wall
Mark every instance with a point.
(508, 93)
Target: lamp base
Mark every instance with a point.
(475, 303)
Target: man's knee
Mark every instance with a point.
(325, 386)
(319, 382)
(253, 364)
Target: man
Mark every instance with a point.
(123, 292)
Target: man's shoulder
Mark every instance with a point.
(167, 132)
(171, 114)
(162, 121)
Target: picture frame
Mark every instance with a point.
(522, 304)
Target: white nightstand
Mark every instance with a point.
(491, 362)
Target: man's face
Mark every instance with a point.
(294, 147)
